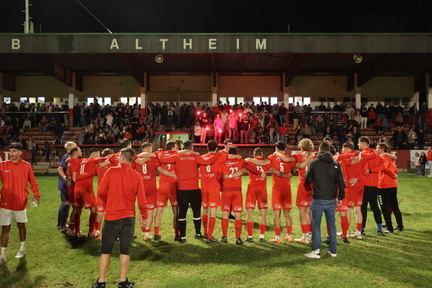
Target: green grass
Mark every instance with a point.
(399, 260)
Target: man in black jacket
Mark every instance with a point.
(328, 191)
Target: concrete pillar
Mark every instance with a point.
(429, 98)
(143, 96)
(71, 97)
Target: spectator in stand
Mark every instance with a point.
(399, 120)
(281, 113)
(412, 138)
(364, 116)
(380, 110)
(197, 132)
(283, 133)
(27, 125)
(271, 127)
(414, 112)
(43, 124)
(244, 127)
(219, 128)
(385, 125)
(400, 139)
(311, 123)
(422, 160)
(378, 125)
(420, 139)
(232, 126)
(371, 116)
(47, 151)
(203, 119)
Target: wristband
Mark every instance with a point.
(230, 176)
(65, 177)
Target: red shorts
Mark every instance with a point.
(210, 197)
(343, 207)
(232, 201)
(151, 196)
(84, 197)
(256, 194)
(355, 194)
(100, 204)
(281, 199)
(70, 193)
(167, 191)
(304, 196)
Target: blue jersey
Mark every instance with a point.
(63, 164)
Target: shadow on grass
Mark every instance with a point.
(19, 277)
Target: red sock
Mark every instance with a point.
(92, 219)
(143, 229)
(263, 228)
(289, 230)
(156, 230)
(238, 228)
(305, 228)
(176, 230)
(359, 226)
(77, 222)
(249, 227)
(204, 219)
(277, 231)
(212, 223)
(146, 230)
(225, 227)
(344, 225)
(97, 226)
(309, 227)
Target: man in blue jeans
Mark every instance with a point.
(328, 191)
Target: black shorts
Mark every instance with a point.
(122, 229)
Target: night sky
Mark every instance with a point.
(205, 16)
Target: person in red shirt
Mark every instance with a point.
(100, 205)
(429, 159)
(15, 175)
(304, 190)
(74, 153)
(167, 190)
(147, 167)
(120, 188)
(230, 172)
(188, 192)
(257, 193)
(210, 188)
(281, 189)
(83, 172)
(354, 175)
(387, 184)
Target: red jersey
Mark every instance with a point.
(100, 172)
(15, 177)
(170, 167)
(231, 166)
(209, 172)
(86, 170)
(429, 155)
(254, 179)
(114, 158)
(282, 166)
(372, 160)
(187, 168)
(119, 190)
(353, 171)
(148, 172)
(387, 173)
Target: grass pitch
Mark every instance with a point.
(398, 260)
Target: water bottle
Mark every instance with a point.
(34, 203)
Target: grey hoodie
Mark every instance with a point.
(326, 176)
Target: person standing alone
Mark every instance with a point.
(327, 192)
(119, 189)
(15, 174)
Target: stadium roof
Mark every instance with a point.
(243, 54)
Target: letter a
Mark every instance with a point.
(114, 44)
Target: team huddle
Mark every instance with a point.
(369, 176)
(365, 177)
